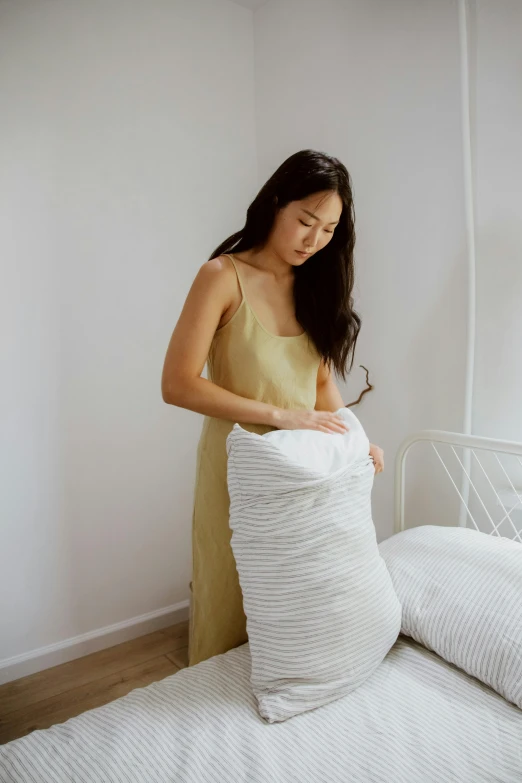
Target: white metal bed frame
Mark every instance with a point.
(471, 444)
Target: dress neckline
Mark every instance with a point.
(245, 300)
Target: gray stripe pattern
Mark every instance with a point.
(461, 594)
(417, 718)
(320, 605)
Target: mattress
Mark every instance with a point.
(417, 718)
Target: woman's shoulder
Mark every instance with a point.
(219, 264)
(216, 282)
(217, 273)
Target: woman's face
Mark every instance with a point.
(306, 225)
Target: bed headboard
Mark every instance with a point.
(485, 473)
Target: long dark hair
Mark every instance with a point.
(323, 284)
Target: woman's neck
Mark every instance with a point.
(270, 262)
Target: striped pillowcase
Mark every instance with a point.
(461, 595)
(321, 610)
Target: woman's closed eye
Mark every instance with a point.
(309, 225)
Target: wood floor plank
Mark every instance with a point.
(61, 707)
(59, 679)
(180, 657)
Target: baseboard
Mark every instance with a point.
(78, 646)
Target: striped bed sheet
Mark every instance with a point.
(417, 718)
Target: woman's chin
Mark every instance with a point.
(297, 260)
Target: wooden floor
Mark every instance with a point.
(55, 695)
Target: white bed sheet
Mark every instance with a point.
(416, 719)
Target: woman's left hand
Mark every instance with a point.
(377, 455)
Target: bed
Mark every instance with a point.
(417, 717)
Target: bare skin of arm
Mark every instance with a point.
(328, 395)
(211, 296)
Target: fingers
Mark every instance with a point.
(322, 421)
(334, 423)
(379, 463)
(377, 456)
(333, 428)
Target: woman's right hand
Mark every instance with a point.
(324, 421)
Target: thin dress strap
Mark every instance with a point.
(237, 275)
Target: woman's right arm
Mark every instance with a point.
(210, 296)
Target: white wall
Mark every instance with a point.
(377, 84)
(498, 366)
(131, 135)
(127, 153)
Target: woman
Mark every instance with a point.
(274, 320)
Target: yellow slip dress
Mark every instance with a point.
(250, 361)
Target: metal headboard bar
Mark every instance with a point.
(452, 439)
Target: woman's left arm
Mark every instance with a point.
(329, 398)
(328, 395)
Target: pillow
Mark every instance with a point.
(322, 452)
(320, 606)
(461, 595)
